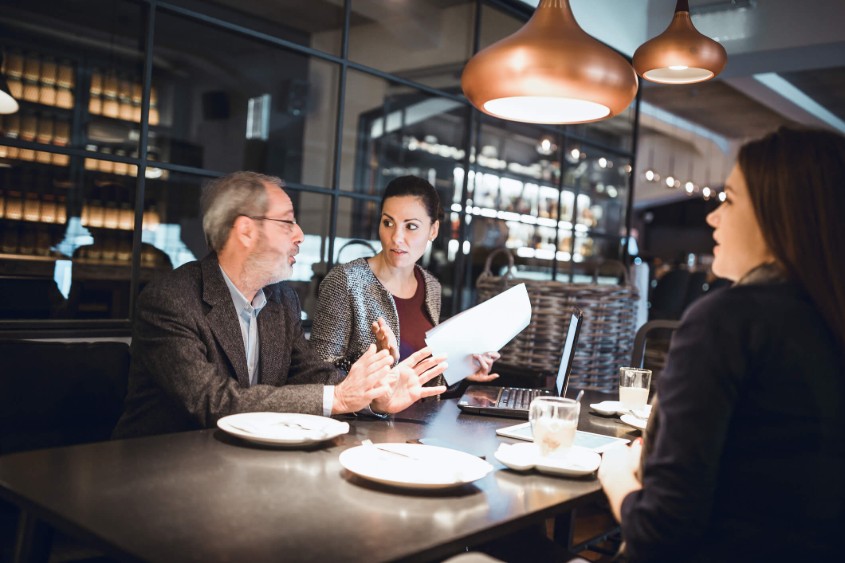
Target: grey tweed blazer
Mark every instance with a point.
(188, 360)
(351, 299)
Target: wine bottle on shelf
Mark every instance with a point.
(124, 98)
(65, 82)
(109, 246)
(95, 104)
(111, 107)
(49, 72)
(26, 242)
(121, 168)
(61, 210)
(15, 87)
(106, 166)
(48, 208)
(9, 244)
(31, 207)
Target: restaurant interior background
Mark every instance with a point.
(128, 106)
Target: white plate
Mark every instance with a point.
(609, 408)
(414, 466)
(634, 421)
(522, 457)
(282, 428)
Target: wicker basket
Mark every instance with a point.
(607, 333)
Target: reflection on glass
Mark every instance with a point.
(392, 130)
(229, 102)
(316, 23)
(427, 41)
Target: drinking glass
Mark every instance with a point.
(554, 421)
(633, 387)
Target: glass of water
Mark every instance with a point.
(554, 421)
(633, 387)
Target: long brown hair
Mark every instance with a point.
(796, 180)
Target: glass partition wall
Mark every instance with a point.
(128, 106)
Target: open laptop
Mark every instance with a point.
(512, 402)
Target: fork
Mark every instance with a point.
(368, 443)
(637, 414)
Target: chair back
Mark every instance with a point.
(60, 393)
(659, 332)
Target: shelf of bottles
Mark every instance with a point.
(525, 199)
(44, 86)
(47, 197)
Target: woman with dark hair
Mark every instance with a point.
(387, 299)
(744, 454)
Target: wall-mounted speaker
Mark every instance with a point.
(215, 105)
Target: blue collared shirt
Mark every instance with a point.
(248, 319)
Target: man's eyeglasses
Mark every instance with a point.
(286, 221)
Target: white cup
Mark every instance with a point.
(554, 421)
(633, 387)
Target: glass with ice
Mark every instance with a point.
(554, 421)
(633, 387)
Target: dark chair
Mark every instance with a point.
(696, 287)
(57, 394)
(668, 297)
(60, 393)
(651, 346)
(648, 330)
(30, 298)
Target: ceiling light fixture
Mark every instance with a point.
(549, 71)
(680, 55)
(547, 145)
(8, 104)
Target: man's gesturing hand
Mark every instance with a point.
(368, 378)
(407, 384)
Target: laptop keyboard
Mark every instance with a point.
(518, 398)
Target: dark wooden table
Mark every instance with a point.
(206, 496)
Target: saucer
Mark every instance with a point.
(524, 457)
(635, 421)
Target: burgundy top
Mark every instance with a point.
(413, 319)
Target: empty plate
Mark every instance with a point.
(607, 408)
(635, 421)
(610, 408)
(281, 428)
(414, 466)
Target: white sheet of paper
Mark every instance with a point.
(487, 327)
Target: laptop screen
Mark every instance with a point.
(568, 353)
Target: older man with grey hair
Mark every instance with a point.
(222, 335)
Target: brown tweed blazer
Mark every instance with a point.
(188, 360)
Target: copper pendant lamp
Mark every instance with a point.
(680, 55)
(8, 104)
(550, 71)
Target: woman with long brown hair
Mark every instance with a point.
(745, 452)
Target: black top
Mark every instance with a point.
(748, 458)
